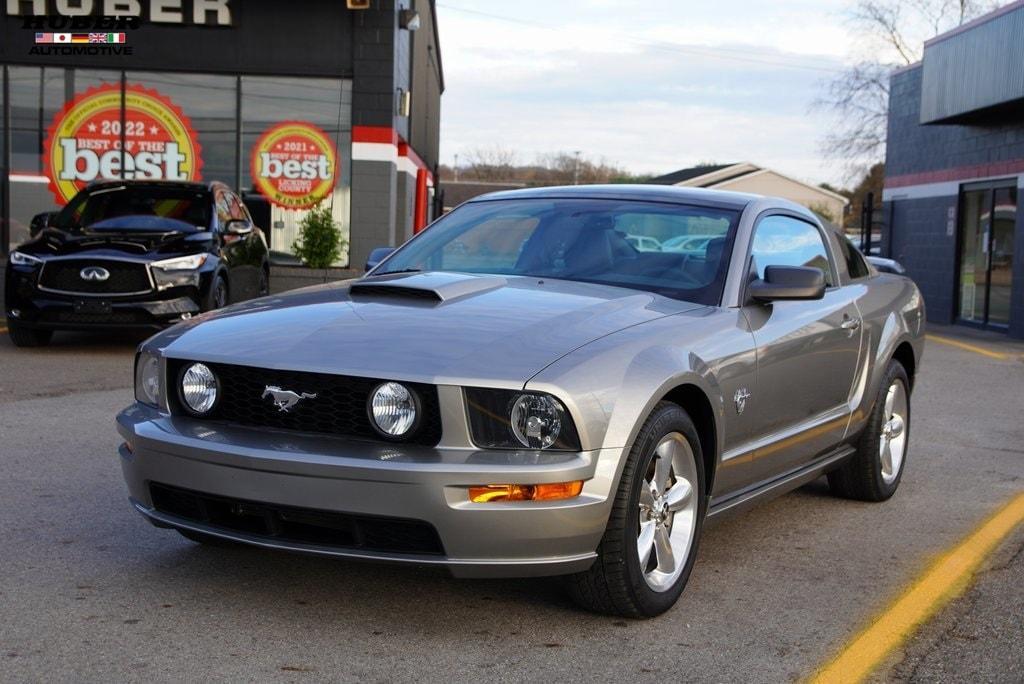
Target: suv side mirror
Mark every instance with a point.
(788, 282)
(377, 255)
(40, 222)
(238, 227)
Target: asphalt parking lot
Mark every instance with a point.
(91, 592)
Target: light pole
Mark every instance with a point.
(456, 168)
(576, 170)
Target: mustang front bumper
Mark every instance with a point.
(266, 477)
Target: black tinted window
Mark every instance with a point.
(784, 241)
(855, 263)
(136, 202)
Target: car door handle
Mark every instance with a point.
(851, 323)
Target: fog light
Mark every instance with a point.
(392, 408)
(199, 388)
(537, 492)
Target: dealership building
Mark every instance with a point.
(955, 173)
(315, 103)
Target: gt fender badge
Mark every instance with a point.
(740, 398)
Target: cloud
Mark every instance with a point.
(654, 89)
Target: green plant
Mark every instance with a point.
(319, 243)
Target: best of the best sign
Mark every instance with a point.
(294, 164)
(85, 139)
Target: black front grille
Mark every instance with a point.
(300, 525)
(339, 407)
(126, 277)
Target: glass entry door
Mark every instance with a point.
(988, 218)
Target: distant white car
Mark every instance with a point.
(687, 244)
(644, 243)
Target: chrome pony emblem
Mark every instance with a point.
(284, 400)
(740, 398)
(94, 273)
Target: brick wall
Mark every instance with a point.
(913, 148)
(921, 244)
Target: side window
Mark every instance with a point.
(235, 206)
(855, 263)
(223, 207)
(785, 241)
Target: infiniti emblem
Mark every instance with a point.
(96, 273)
(284, 400)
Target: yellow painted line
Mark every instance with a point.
(968, 347)
(947, 578)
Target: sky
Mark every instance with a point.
(650, 86)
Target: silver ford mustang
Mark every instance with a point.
(558, 381)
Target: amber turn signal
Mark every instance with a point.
(539, 492)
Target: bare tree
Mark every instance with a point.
(893, 33)
(491, 164)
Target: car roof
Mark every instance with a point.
(648, 193)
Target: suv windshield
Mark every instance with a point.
(137, 206)
(679, 251)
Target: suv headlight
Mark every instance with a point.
(178, 272)
(185, 263)
(149, 380)
(22, 259)
(509, 419)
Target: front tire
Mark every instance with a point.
(218, 296)
(28, 337)
(875, 471)
(649, 546)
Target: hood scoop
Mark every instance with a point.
(429, 287)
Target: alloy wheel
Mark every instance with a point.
(668, 512)
(892, 442)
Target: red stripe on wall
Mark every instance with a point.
(374, 134)
(959, 173)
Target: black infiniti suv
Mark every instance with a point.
(133, 254)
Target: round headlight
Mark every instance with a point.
(536, 420)
(199, 388)
(392, 409)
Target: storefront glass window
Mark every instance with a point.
(210, 103)
(324, 103)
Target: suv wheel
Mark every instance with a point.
(648, 549)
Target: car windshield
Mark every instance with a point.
(679, 251)
(137, 206)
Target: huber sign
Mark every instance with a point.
(294, 164)
(85, 140)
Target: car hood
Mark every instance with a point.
(441, 328)
(122, 241)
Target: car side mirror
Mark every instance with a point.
(378, 255)
(238, 227)
(788, 282)
(40, 222)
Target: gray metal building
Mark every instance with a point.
(366, 74)
(955, 172)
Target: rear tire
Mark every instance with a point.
(664, 525)
(29, 337)
(875, 471)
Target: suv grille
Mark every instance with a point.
(338, 409)
(126, 277)
(301, 525)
